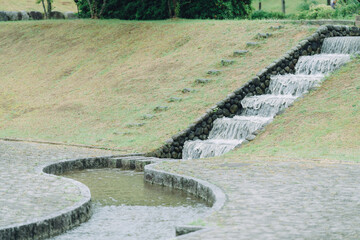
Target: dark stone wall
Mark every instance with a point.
(259, 85)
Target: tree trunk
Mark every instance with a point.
(174, 6)
(259, 5)
(328, 2)
(102, 8)
(91, 9)
(49, 8)
(169, 7)
(45, 12)
(283, 6)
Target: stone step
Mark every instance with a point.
(214, 72)
(226, 62)
(239, 53)
(203, 81)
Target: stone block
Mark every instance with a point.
(3, 16)
(202, 80)
(214, 72)
(57, 15)
(70, 15)
(239, 53)
(226, 62)
(34, 15)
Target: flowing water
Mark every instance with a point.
(258, 111)
(126, 207)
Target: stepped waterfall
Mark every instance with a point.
(258, 111)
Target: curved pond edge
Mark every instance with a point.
(61, 221)
(212, 194)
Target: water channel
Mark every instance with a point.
(258, 111)
(126, 207)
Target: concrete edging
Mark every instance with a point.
(199, 188)
(64, 220)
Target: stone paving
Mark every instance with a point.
(266, 199)
(25, 193)
(279, 199)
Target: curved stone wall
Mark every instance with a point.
(60, 222)
(259, 85)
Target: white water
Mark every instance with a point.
(258, 111)
(266, 105)
(344, 45)
(321, 63)
(208, 148)
(238, 127)
(295, 85)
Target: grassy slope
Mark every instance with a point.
(291, 6)
(85, 81)
(323, 125)
(30, 5)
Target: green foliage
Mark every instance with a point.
(346, 9)
(343, 9)
(163, 9)
(305, 5)
(267, 15)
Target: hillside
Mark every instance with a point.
(96, 82)
(30, 5)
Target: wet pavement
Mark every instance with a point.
(279, 199)
(25, 193)
(266, 199)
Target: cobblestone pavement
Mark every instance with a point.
(279, 199)
(26, 194)
(266, 199)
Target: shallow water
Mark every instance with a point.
(125, 207)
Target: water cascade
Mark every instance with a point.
(258, 111)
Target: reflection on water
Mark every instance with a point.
(125, 207)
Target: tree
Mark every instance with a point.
(93, 6)
(47, 7)
(283, 6)
(259, 5)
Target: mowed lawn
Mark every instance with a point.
(98, 82)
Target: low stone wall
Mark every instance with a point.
(33, 15)
(259, 85)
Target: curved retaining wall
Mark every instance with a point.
(60, 222)
(259, 85)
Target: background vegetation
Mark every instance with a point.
(164, 9)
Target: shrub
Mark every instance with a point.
(320, 11)
(163, 9)
(267, 15)
(346, 9)
(305, 5)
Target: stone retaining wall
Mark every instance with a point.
(259, 85)
(33, 15)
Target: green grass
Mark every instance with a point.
(86, 81)
(324, 125)
(291, 6)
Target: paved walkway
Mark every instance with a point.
(26, 194)
(280, 200)
(266, 199)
